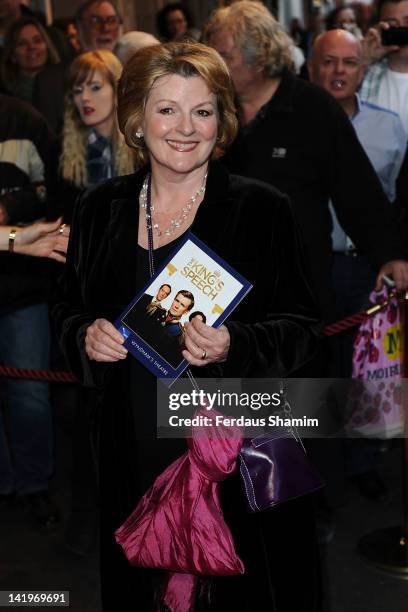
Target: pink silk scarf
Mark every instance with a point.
(178, 524)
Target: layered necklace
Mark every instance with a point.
(175, 223)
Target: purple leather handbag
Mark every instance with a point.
(275, 468)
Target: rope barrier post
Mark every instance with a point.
(387, 549)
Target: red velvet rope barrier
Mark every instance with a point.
(44, 375)
(339, 326)
(355, 319)
(67, 377)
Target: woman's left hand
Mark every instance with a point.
(205, 344)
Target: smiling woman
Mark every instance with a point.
(27, 50)
(180, 136)
(176, 110)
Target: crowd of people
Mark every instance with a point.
(292, 147)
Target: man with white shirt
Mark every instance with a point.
(337, 65)
(386, 80)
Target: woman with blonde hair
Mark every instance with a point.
(90, 114)
(27, 50)
(93, 149)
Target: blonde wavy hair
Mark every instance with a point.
(186, 59)
(73, 165)
(256, 33)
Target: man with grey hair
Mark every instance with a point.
(296, 137)
(131, 42)
(99, 25)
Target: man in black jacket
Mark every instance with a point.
(26, 457)
(296, 137)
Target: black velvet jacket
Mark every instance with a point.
(273, 331)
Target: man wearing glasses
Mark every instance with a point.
(99, 25)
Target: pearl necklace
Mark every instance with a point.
(174, 223)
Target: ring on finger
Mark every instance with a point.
(204, 354)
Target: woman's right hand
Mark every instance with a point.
(43, 239)
(103, 342)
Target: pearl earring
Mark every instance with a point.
(139, 134)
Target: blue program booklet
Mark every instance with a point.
(193, 282)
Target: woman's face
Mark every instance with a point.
(180, 123)
(346, 17)
(30, 53)
(94, 100)
(176, 24)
